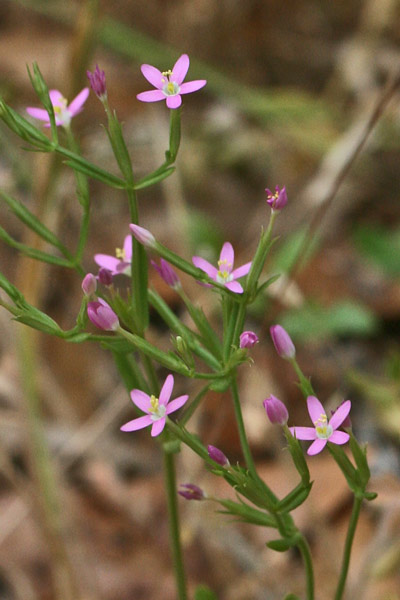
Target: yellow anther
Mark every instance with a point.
(167, 73)
(154, 404)
(120, 253)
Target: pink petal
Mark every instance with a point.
(339, 437)
(38, 113)
(228, 255)
(158, 426)
(176, 404)
(166, 390)
(153, 75)
(141, 399)
(107, 262)
(138, 423)
(180, 69)
(174, 101)
(241, 271)
(316, 447)
(192, 86)
(303, 433)
(123, 268)
(204, 265)
(341, 413)
(234, 286)
(77, 103)
(151, 96)
(315, 409)
(55, 96)
(128, 248)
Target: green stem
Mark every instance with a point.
(241, 429)
(347, 548)
(170, 484)
(306, 555)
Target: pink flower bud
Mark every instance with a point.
(98, 82)
(218, 456)
(89, 284)
(166, 272)
(190, 491)
(105, 276)
(142, 235)
(248, 339)
(282, 342)
(102, 315)
(276, 410)
(278, 199)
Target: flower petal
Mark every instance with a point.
(55, 96)
(176, 404)
(180, 69)
(158, 426)
(174, 101)
(316, 447)
(138, 423)
(192, 86)
(341, 413)
(128, 248)
(107, 262)
(241, 271)
(228, 255)
(204, 265)
(166, 390)
(141, 399)
(153, 76)
(77, 103)
(303, 433)
(38, 113)
(234, 286)
(339, 437)
(151, 96)
(315, 409)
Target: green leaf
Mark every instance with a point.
(360, 457)
(202, 592)
(294, 498)
(153, 178)
(297, 456)
(281, 545)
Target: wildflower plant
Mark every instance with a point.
(198, 351)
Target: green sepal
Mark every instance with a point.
(119, 147)
(40, 87)
(24, 129)
(38, 320)
(174, 135)
(220, 385)
(247, 513)
(360, 457)
(294, 498)
(349, 471)
(283, 544)
(305, 386)
(202, 592)
(297, 456)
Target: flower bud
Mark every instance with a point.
(105, 276)
(276, 411)
(142, 235)
(98, 82)
(89, 284)
(102, 315)
(277, 200)
(248, 339)
(166, 272)
(282, 342)
(218, 456)
(190, 491)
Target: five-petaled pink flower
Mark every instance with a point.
(119, 264)
(323, 431)
(156, 409)
(224, 273)
(63, 111)
(169, 83)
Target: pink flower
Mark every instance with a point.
(167, 273)
(218, 456)
(98, 82)
(169, 84)
(323, 431)
(278, 199)
(157, 409)
(248, 339)
(62, 111)
(89, 284)
(282, 342)
(119, 264)
(143, 236)
(102, 315)
(224, 274)
(190, 491)
(276, 411)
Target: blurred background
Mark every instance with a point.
(294, 90)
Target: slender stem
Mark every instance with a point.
(241, 429)
(308, 566)
(170, 485)
(347, 548)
